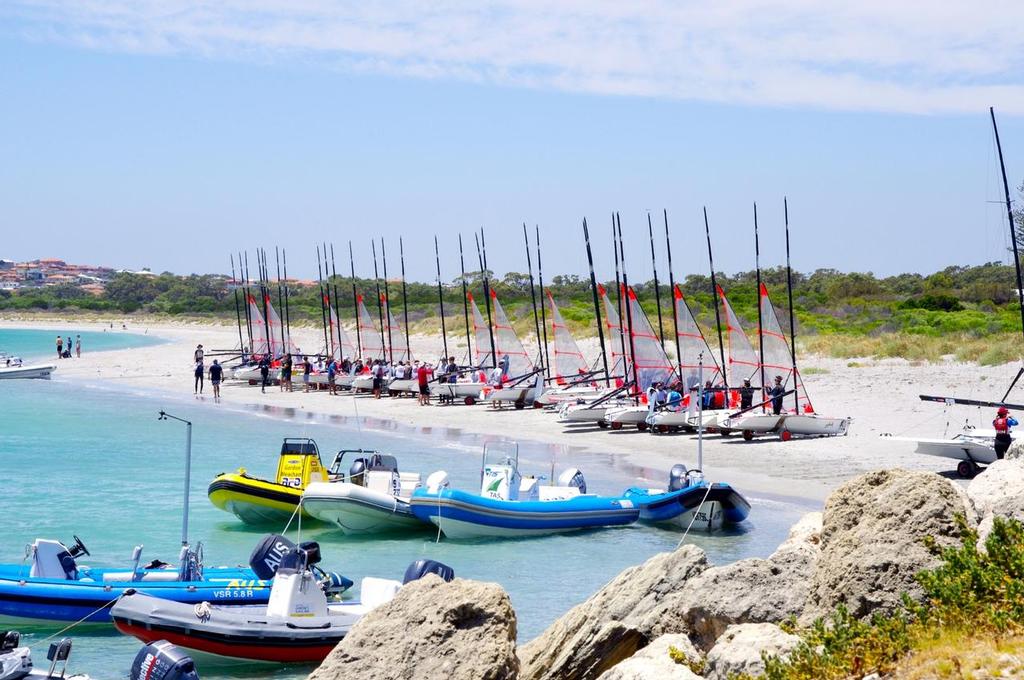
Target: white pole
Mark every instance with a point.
(188, 480)
(700, 412)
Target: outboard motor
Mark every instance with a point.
(421, 568)
(9, 639)
(357, 473)
(694, 477)
(677, 477)
(266, 556)
(437, 481)
(573, 477)
(162, 661)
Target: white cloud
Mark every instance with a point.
(916, 56)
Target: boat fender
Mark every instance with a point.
(266, 556)
(677, 477)
(573, 477)
(421, 568)
(437, 481)
(162, 661)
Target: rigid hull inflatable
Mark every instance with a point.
(690, 502)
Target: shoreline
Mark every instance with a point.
(881, 396)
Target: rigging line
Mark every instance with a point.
(79, 621)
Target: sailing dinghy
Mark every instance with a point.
(518, 368)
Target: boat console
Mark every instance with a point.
(51, 559)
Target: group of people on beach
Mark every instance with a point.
(69, 348)
(216, 373)
(671, 397)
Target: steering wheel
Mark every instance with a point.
(80, 547)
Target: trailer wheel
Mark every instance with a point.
(519, 404)
(747, 435)
(469, 401)
(616, 425)
(663, 428)
(966, 469)
(642, 427)
(537, 404)
(785, 435)
(602, 424)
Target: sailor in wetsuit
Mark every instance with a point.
(1002, 424)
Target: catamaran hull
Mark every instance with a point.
(753, 425)
(34, 372)
(812, 425)
(695, 507)
(357, 510)
(518, 396)
(632, 415)
(404, 386)
(569, 395)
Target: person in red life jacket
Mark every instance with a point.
(423, 375)
(1002, 424)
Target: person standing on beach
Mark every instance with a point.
(746, 396)
(423, 374)
(1002, 424)
(264, 373)
(332, 377)
(78, 347)
(776, 393)
(286, 372)
(198, 354)
(307, 369)
(216, 373)
(198, 389)
(60, 347)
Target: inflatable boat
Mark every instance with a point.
(16, 661)
(690, 502)
(373, 499)
(52, 586)
(299, 624)
(260, 501)
(511, 505)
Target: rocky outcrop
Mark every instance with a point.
(999, 490)
(635, 607)
(1016, 450)
(754, 590)
(654, 662)
(739, 649)
(432, 629)
(872, 539)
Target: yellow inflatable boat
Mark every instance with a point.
(260, 501)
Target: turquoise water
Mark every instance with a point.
(42, 344)
(94, 461)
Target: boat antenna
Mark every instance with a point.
(355, 300)
(248, 294)
(672, 286)
(380, 306)
(334, 298)
(287, 303)
(1013, 239)
(657, 289)
(387, 300)
(405, 300)
(714, 297)
(440, 297)
(626, 358)
(597, 303)
(481, 254)
(465, 303)
(533, 297)
(760, 318)
(188, 470)
(280, 299)
(238, 311)
(324, 303)
(543, 314)
(792, 314)
(629, 310)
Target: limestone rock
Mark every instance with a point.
(739, 649)
(999, 490)
(872, 539)
(432, 629)
(1016, 450)
(654, 663)
(755, 590)
(635, 607)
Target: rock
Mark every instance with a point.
(755, 590)
(999, 490)
(431, 629)
(1016, 450)
(653, 662)
(635, 607)
(739, 649)
(872, 539)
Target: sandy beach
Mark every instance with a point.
(880, 395)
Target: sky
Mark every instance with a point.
(171, 134)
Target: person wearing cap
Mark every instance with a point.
(776, 393)
(1002, 424)
(746, 395)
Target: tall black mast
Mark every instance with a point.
(657, 289)
(714, 297)
(482, 256)
(287, 303)
(440, 298)
(355, 300)
(672, 286)
(626, 358)
(265, 294)
(1013, 236)
(792, 316)
(597, 304)
(533, 297)
(465, 303)
(629, 308)
(238, 311)
(380, 302)
(760, 317)
(280, 300)
(387, 299)
(324, 303)
(543, 314)
(248, 294)
(334, 297)
(405, 301)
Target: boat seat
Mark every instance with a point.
(382, 481)
(374, 592)
(128, 576)
(410, 481)
(557, 493)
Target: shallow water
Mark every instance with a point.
(42, 344)
(94, 461)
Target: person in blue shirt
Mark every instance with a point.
(332, 376)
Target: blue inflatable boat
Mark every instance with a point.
(52, 587)
(511, 505)
(690, 502)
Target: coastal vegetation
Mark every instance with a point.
(968, 312)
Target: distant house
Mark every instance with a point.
(9, 285)
(6, 264)
(36, 275)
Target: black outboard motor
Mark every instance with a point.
(421, 568)
(677, 477)
(9, 640)
(266, 556)
(162, 661)
(357, 473)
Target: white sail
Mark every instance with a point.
(507, 343)
(568, 359)
(778, 359)
(694, 352)
(618, 348)
(343, 346)
(481, 338)
(652, 365)
(395, 335)
(742, 360)
(260, 346)
(369, 334)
